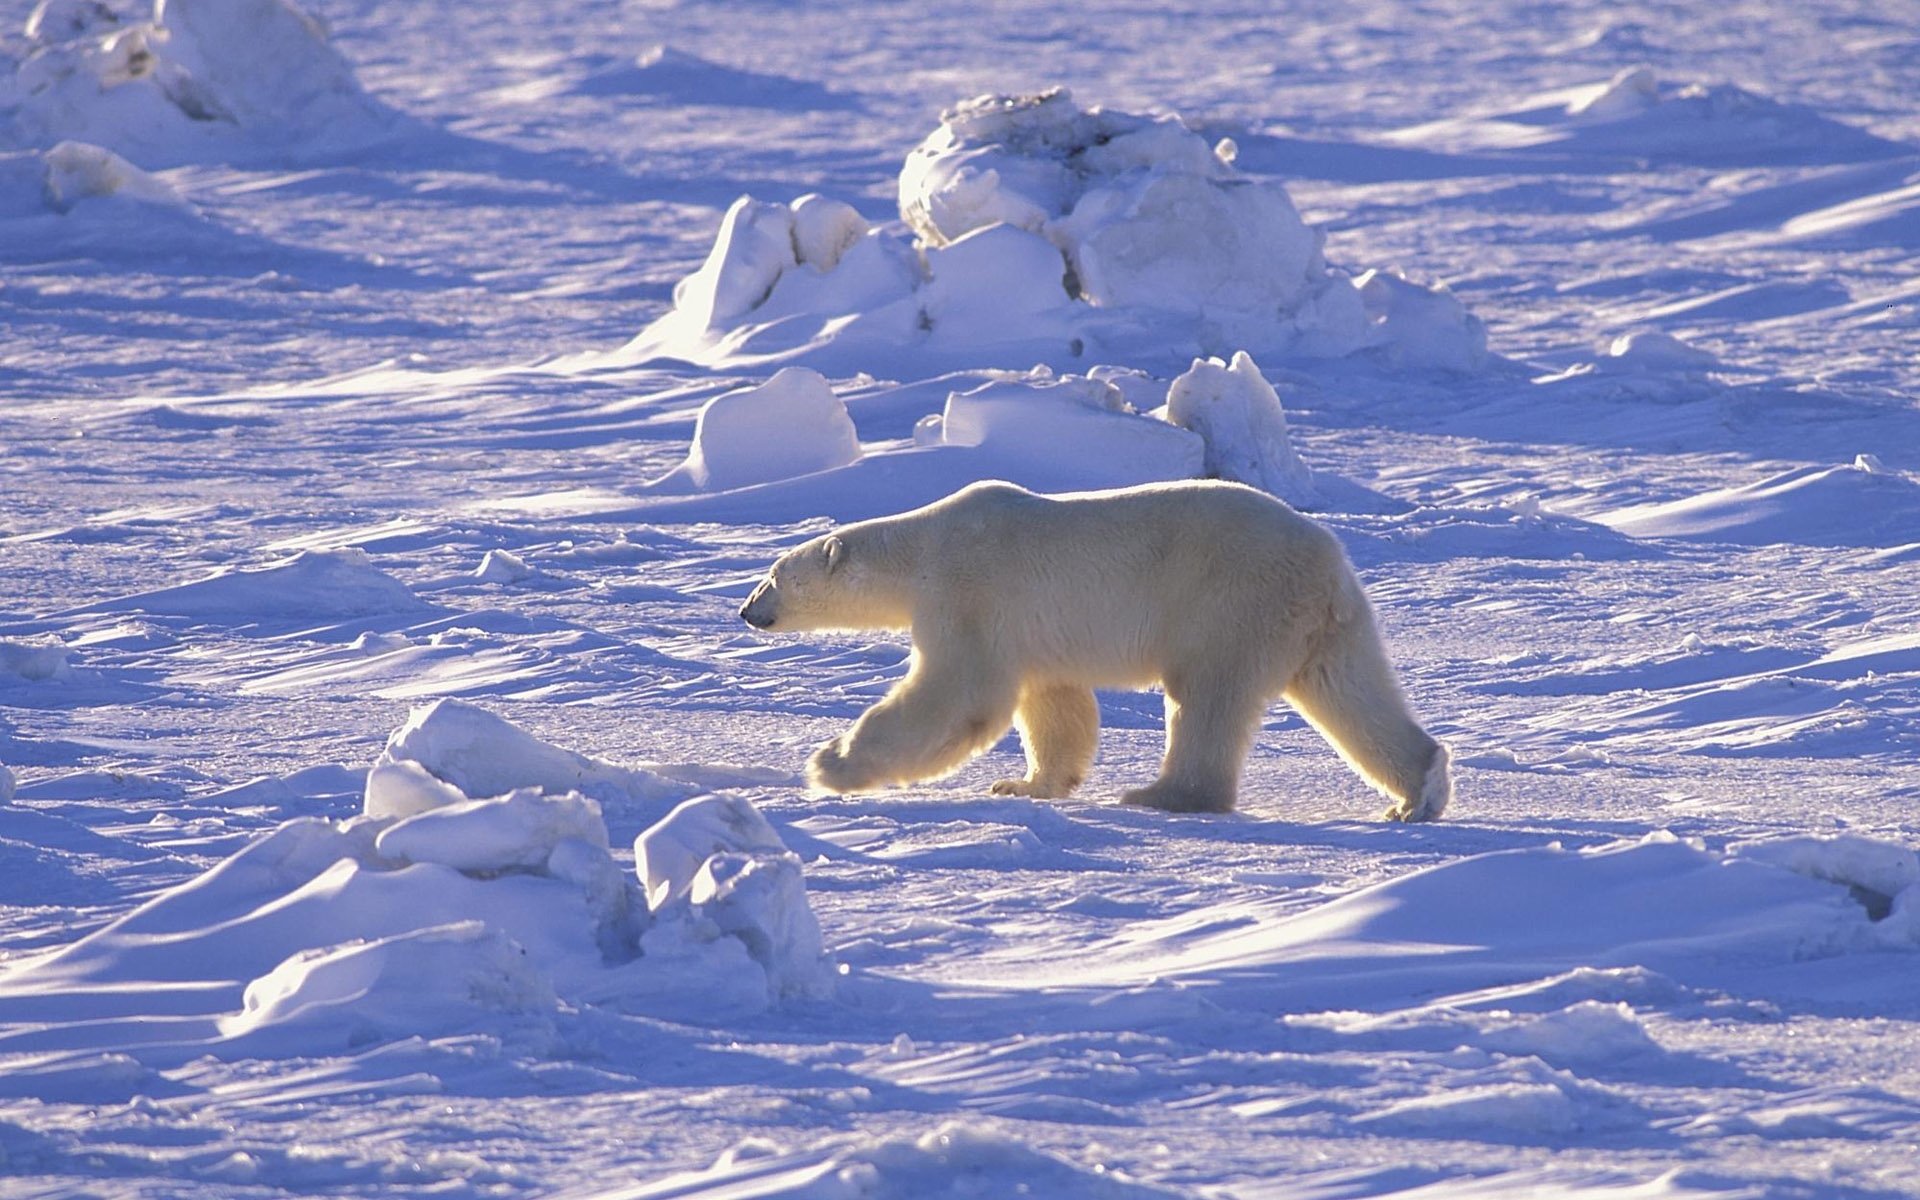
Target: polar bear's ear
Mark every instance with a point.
(836, 554)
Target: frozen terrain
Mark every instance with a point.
(397, 401)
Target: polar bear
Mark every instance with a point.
(1021, 604)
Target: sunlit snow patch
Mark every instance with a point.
(184, 81)
(1042, 232)
(1863, 504)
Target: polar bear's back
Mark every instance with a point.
(1115, 588)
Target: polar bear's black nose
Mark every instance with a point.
(758, 611)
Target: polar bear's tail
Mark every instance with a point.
(1347, 691)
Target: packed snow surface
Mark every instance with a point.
(399, 401)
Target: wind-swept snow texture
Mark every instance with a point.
(398, 401)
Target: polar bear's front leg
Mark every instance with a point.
(931, 722)
(1060, 728)
(1210, 727)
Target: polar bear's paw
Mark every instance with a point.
(1174, 798)
(1039, 789)
(1436, 792)
(830, 770)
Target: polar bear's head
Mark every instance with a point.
(807, 588)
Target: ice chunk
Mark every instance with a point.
(754, 247)
(1023, 424)
(418, 982)
(824, 229)
(993, 283)
(482, 754)
(1236, 412)
(791, 425)
(517, 830)
(761, 899)
(405, 789)
(713, 869)
(1417, 326)
(499, 566)
(669, 855)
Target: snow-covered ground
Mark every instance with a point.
(397, 400)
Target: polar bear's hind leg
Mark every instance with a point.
(1349, 693)
(1059, 727)
(1210, 728)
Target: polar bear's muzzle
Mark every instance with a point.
(758, 610)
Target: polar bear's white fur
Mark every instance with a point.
(1021, 604)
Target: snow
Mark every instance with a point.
(189, 80)
(1238, 415)
(393, 803)
(1044, 232)
(791, 425)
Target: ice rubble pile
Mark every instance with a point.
(438, 905)
(1124, 427)
(181, 80)
(1046, 232)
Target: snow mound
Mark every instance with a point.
(313, 584)
(789, 426)
(371, 991)
(1238, 415)
(1589, 1033)
(1881, 875)
(1634, 114)
(501, 566)
(1651, 352)
(191, 80)
(1862, 504)
(1498, 919)
(714, 868)
(1045, 233)
(432, 913)
(678, 77)
(1514, 1108)
(478, 753)
(947, 1163)
(59, 180)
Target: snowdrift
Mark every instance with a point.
(1862, 504)
(1502, 919)
(185, 81)
(435, 911)
(1042, 232)
(1637, 115)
